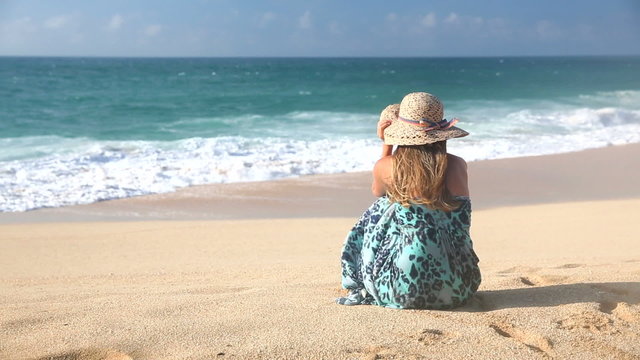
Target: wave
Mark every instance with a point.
(629, 99)
(52, 171)
(308, 125)
(111, 170)
(530, 133)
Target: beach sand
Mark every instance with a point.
(252, 270)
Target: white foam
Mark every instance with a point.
(110, 170)
(629, 99)
(529, 133)
(53, 171)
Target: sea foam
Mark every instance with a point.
(52, 171)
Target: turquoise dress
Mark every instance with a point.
(410, 258)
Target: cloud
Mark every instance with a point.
(266, 18)
(304, 21)
(152, 30)
(57, 22)
(464, 20)
(335, 28)
(392, 17)
(429, 20)
(115, 23)
(546, 29)
(452, 18)
(17, 31)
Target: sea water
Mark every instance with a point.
(80, 130)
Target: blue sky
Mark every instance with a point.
(319, 28)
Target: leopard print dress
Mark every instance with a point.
(410, 258)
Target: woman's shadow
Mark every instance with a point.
(608, 295)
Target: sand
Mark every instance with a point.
(120, 280)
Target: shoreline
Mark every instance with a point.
(574, 176)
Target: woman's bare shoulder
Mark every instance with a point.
(456, 178)
(456, 161)
(384, 162)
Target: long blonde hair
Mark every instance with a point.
(419, 176)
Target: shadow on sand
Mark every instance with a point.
(608, 295)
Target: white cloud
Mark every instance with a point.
(22, 25)
(152, 30)
(546, 29)
(392, 17)
(466, 20)
(266, 18)
(17, 31)
(452, 18)
(115, 23)
(335, 28)
(304, 21)
(429, 20)
(57, 22)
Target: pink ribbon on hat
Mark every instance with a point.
(433, 125)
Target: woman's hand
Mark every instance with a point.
(382, 124)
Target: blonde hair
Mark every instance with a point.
(419, 176)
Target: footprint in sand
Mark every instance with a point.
(607, 307)
(527, 281)
(569, 266)
(433, 336)
(535, 342)
(90, 354)
(627, 312)
(598, 322)
(604, 350)
(374, 353)
(606, 319)
(603, 319)
(541, 280)
(519, 269)
(621, 310)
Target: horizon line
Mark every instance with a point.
(312, 56)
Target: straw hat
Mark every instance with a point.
(419, 121)
(390, 113)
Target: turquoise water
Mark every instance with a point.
(77, 130)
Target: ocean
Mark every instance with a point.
(81, 130)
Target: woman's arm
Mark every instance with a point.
(382, 168)
(387, 150)
(381, 176)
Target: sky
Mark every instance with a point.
(267, 28)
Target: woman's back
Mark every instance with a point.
(456, 179)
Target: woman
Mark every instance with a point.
(411, 248)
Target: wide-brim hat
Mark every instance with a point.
(419, 121)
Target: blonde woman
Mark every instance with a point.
(411, 248)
